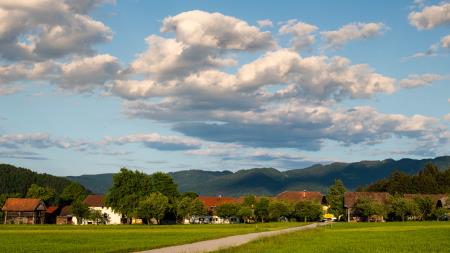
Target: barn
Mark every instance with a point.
(24, 211)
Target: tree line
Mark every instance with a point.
(430, 180)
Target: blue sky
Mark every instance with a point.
(90, 87)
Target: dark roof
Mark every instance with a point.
(296, 196)
(23, 205)
(434, 197)
(350, 198)
(94, 201)
(66, 211)
(213, 201)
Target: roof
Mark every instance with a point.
(296, 196)
(213, 201)
(66, 211)
(350, 198)
(52, 209)
(94, 201)
(23, 205)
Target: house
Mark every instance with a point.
(24, 211)
(297, 196)
(97, 202)
(66, 216)
(438, 199)
(51, 214)
(211, 202)
(350, 199)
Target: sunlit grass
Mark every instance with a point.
(120, 238)
(408, 237)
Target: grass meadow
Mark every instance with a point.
(120, 238)
(393, 237)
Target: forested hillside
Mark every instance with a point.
(15, 180)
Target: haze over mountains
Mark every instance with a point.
(269, 181)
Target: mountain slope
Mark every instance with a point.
(269, 181)
(18, 180)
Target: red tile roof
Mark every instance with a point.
(52, 209)
(213, 201)
(23, 205)
(66, 211)
(94, 201)
(296, 196)
(350, 198)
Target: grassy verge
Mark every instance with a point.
(396, 237)
(121, 238)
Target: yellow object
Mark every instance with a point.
(328, 216)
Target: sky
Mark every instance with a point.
(91, 86)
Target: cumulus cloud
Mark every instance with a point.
(354, 31)
(414, 81)
(431, 17)
(87, 73)
(265, 23)
(48, 29)
(156, 141)
(215, 30)
(303, 34)
(445, 42)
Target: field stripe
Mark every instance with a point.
(227, 242)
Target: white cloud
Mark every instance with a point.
(47, 29)
(265, 23)
(156, 141)
(302, 33)
(9, 89)
(40, 140)
(431, 17)
(354, 31)
(84, 74)
(420, 80)
(215, 30)
(445, 42)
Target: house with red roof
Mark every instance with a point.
(97, 202)
(24, 211)
(211, 202)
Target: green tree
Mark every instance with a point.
(73, 191)
(187, 206)
(440, 213)
(227, 210)
(249, 201)
(153, 207)
(365, 207)
(246, 213)
(46, 194)
(425, 207)
(80, 211)
(262, 209)
(402, 208)
(279, 209)
(307, 211)
(3, 198)
(163, 183)
(335, 199)
(97, 217)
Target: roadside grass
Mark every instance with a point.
(119, 238)
(395, 237)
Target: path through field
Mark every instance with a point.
(226, 242)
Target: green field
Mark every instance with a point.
(120, 238)
(393, 237)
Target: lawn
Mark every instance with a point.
(395, 237)
(119, 238)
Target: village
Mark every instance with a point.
(34, 211)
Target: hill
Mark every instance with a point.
(269, 181)
(17, 180)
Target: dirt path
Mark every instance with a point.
(226, 242)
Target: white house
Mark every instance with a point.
(97, 202)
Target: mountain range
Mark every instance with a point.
(270, 181)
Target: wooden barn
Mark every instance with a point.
(24, 211)
(350, 199)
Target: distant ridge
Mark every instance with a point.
(269, 181)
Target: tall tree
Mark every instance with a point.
(262, 209)
(80, 211)
(335, 199)
(307, 211)
(227, 210)
(153, 207)
(46, 194)
(365, 207)
(73, 191)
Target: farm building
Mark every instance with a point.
(97, 202)
(24, 211)
(211, 202)
(314, 197)
(351, 198)
(66, 216)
